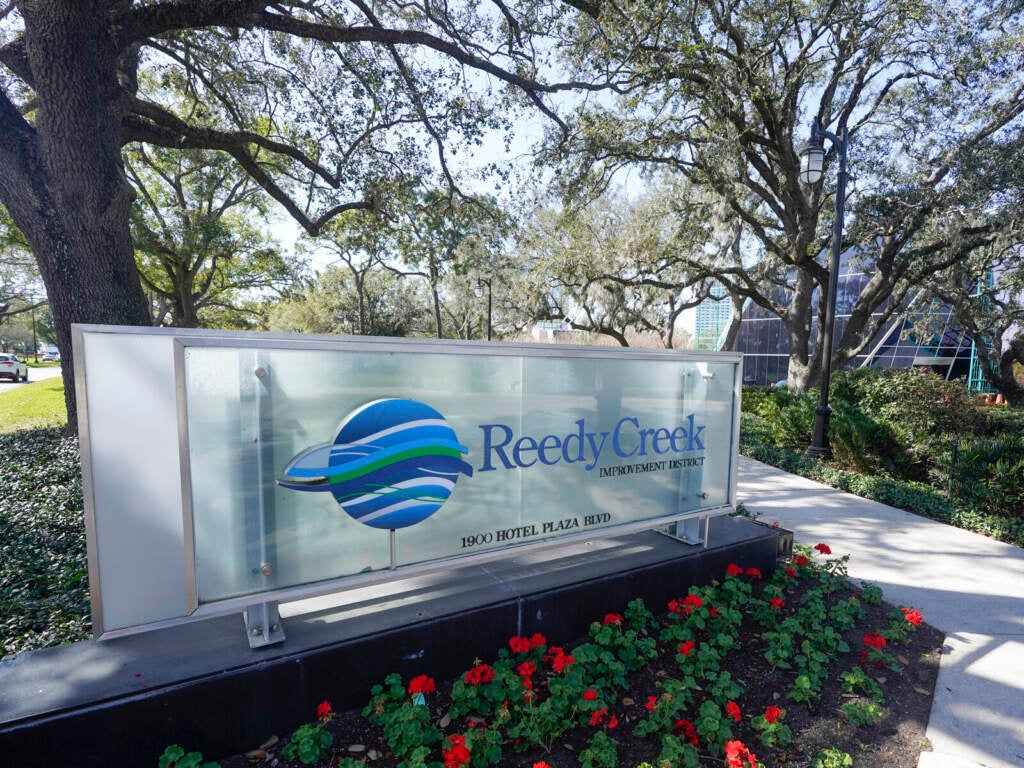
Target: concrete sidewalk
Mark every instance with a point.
(967, 585)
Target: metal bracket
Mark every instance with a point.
(263, 625)
(262, 621)
(692, 530)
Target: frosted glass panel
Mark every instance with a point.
(304, 461)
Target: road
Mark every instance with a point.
(34, 374)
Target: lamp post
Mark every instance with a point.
(479, 291)
(35, 341)
(812, 164)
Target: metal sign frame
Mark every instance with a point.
(152, 381)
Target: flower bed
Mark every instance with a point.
(797, 669)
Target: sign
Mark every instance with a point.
(306, 464)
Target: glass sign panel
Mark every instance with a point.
(309, 465)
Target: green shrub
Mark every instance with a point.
(44, 598)
(754, 430)
(920, 409)
(863, 443)
(832, 758)
(896, 429)
(1005, 486)
(765, 401)
(793, 425)
(176, 757)
(862, 714)
(988, 475)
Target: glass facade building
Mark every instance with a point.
(943, 347)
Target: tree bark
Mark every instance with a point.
(804, 367)
(735, 322)
(66, 189)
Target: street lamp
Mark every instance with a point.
(35, 340)
(479, 291)
(812, 164)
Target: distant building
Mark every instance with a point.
(765, 346)
(555, 332)
(707, 322)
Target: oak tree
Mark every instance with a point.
(202, 255)
(722, 93)
(317, 100)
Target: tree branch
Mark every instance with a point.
(154, 20)
(209, 138)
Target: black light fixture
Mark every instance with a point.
(812, 164)
(481, 282)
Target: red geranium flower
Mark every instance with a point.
(875, 640)
(482, 673)
(913, 616)
(323, 710)
(713, 611)
(562, 661)
(777, 603)
(688, 731)
(652, 702)
(801, 561)
(687, 648)
(519, 644)
(675, 606)
(738, 756)
(537, 640)
(691, 602)
(612, 618)
(596, 718)
(754, 573)
(772, 713)
(589, 695)
(733, 570)
(421, 684)
(527, 683)
(457, 755)
(526, 669)
(553, 653)
(825, 549)
(613, 722)
(541, 764)
(733, 709)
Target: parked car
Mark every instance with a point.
(13, 368)
(50, 357)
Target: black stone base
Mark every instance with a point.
(120, 702)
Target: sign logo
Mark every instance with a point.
(392, 464)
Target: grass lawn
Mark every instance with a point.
(37, 405)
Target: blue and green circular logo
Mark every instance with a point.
(392, 464)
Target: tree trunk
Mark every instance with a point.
(361, 298)
(735, 323)
(434, 278)
(76, 216)
(1007, 382)
(183, 281)
(803, 368)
